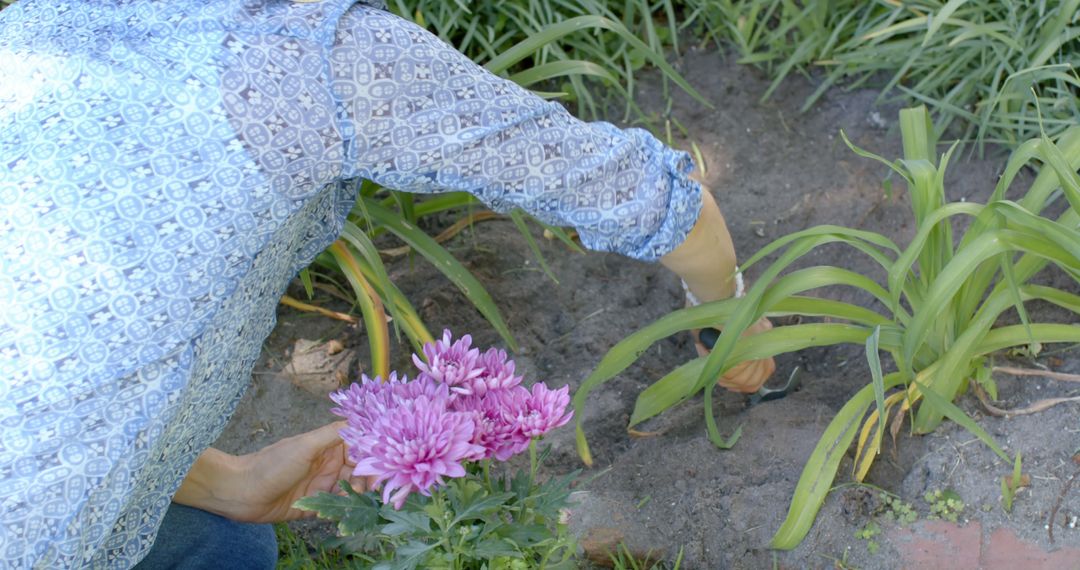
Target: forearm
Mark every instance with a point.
(706, 259)
(210, 483)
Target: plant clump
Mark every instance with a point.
(936, 312)
(897, 510)
(944, 505)
(869, 533)
(428, 443)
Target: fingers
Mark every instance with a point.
(362, 484)
(358, 484)
(326, 435)
(748, 377)
(761, 325)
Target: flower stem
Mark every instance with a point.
(437, 499)
(440, 507)
(532, 463)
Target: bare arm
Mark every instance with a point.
(706, 261)
(262, 486)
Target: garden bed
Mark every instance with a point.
(773, 171)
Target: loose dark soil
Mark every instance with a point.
(773, 171)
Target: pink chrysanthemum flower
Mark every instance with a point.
(412, 447)
(497, 433)
(544, 410)
(496, 372)
(422, 385)
(463, 406)
(364, 401)
(450, 363)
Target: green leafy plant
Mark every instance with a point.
(869, 533)
(935, 312)
(477, 521)
(944, 505)
(430, 445)
(897, 510)
(974, 62)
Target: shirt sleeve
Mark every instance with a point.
(420, 117)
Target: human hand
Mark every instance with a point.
(294, 468)
(747, 376)
(261, 487)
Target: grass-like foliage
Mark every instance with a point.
(935, 312)
(616, 40)
(974, 62)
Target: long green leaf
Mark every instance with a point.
(555, 69)
(375, 272)
(681, 383)
(824, 276)
(848, 236)
(1017, 335)
(444, 262)
(371, 308)
(553, 32)
(955, 364)
(873, 343)
(400, 309)
(820, 469)
(917, 132)
(899, 271)
(957, 415)
(633, 346)
(940, 18)
(519, 220)
(955, 275)
(712, 430)
(749, 307)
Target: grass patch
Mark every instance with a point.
(986, 68)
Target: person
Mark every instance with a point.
(168, 167)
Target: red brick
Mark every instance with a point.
(1005, 551)
(937, 545)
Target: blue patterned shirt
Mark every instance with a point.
(167, 166)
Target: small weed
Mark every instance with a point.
(1011, 485)
(838, 563)
(624, 559)
(944, 505)
(869, 533)
(294, 553)
(897, 510)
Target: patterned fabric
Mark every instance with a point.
(167, 166)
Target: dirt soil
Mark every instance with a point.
(774, 171)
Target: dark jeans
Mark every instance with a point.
(191, 539)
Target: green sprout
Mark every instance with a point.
(898, 510)
(868, 533)
(944, 505)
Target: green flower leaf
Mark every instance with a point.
(354, 513)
